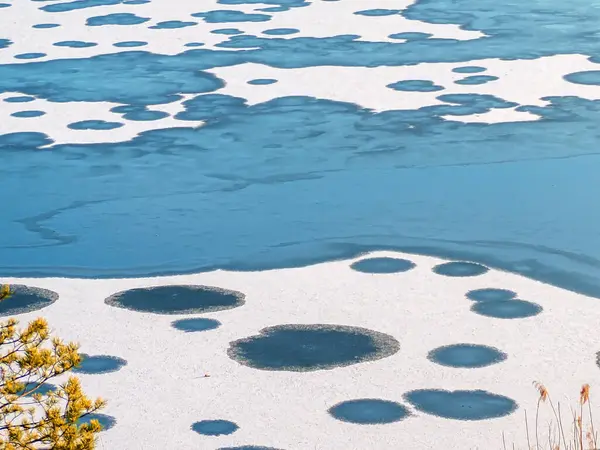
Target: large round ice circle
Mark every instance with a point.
(184, 299)
(26, 299)
(303, 348)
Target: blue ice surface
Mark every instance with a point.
(105, 420)
(369, 411)
(78, 4)
(339, 203)
(589, 77)
(466, 356)
(4, 43)
(5, 5)
(228, 31)
(19, 99)
(377, 12)
(490, 295)
(262, 81)
(281, 31)
(43, 26)
(99, 364)
(139, 113)
(171, 24)
(383, 265)
(460, 269)
(507, 309)
(411, 36)
(195, 324)
(224, 16)
(282, 3)
(75, 44)
(129, 44)
(469, 69)
(116, 19)
(461, 405)
(28, 114)
(94, 125)
(476, 79)
(30, 55)
(215, 427)
(194, 44)
(415, 86)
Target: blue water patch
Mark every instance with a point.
(415, 86)
(116, 19)
(25, 299)
(107, 422)
(460, 269)
(19, 99)
(194, 44)
(195, 324)
(130, 44)
(43, 26)
(224, 16)
(461, 405)
(410, 36)
(143, 114)
(94, 125)
(490, 295)
(4, 43)
(383, 265)
(590, 77)
(37, 388)
(78, 4)
(469, 69)
(377, 12)
(281, 31)
(28, 114)
(466, 356)
(99, 364)
(75, 44)
(30, 55)
(303, 348)
(476, 79)
(508, 309)
(262, 81)
(136, 2)
(227, 31)
(369, 411)
(177, 299)
(215, 427)
(5, 5)
(171, 24)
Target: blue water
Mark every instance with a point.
(195, 324)
(303, 348)
(476, 79)
(75, 44)
(300, 180)
(171, 24)
(490, 295)
(461, 405)
(214, 427)
(224, 16)
(466, 356)
(176, 299)
(507, 309)
(383, 265)
(26, 299)
(99, 364)
(415, 86)
(368, 411)
(460, 269)
(28, 114)
(262, 81)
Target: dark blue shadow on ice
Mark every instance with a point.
(304, 348)
(460, 269)
(369, 411)
(183, 299)
(195, 324)
(466, 356)
(507, 309)
(107, 422)
(26, 299)
(99, 364)
(214, 427)
(461, 405)
(43, 389)
(382, 265)
(490, 295)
